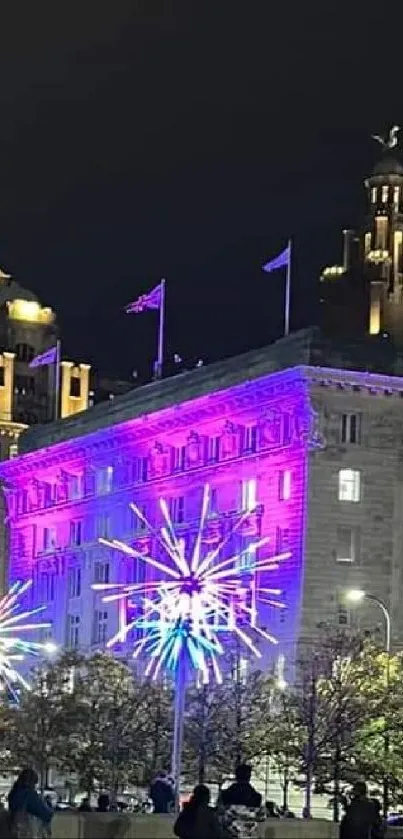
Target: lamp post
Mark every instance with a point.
(357, 596)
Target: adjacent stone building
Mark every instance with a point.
(311, 450)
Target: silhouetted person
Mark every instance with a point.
(103, 803)
(362, 818)
(27, 809)
(85, 806)
(241, 793)
(162, 793)
(197, 819)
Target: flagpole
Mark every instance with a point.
(57, 379)
(288, 292)
(160, 357)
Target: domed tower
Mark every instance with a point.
(381, 247)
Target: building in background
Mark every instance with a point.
(310, 448)
(364, 294)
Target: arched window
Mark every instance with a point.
(24, 352)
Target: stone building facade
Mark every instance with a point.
(313, 453)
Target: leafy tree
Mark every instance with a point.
(111, 724)
(40, 726)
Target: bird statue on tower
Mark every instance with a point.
(390, 141)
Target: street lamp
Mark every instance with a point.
(356, 596)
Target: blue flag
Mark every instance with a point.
(48, 357)
(279, 261)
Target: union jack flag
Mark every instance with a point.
(152, 300)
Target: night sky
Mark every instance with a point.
(188, 140)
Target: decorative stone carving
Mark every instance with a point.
(194, 450)
(230, 441)
(270, 429)
(62, 487)
(158, 460)
(213, 531)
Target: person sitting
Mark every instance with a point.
(103, 803)
(162, 793)
(198, 820)
(362, 818)
(28, 812)
(241, 793)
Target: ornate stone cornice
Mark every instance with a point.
(287, 386)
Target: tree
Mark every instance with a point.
(111, 724)
(159, 729)
(284, 739)
(39, 727)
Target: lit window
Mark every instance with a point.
(75, 533)
(247, 557)
(381, 228)
(385, 194)
(350, 428)
(100, 626)
(73, 631)
(248, 495)
(103, 480)
(284, 485)
(49, 538)
(349, 485)
(74, 582)
(347, 544)
(396, 196)
(373, 195)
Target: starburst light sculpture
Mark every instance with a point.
(195, 599)
(13, 648)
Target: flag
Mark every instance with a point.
(48, 357)
(152, 300)
(282, 259)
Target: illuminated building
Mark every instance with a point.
(311, 447)
(364, 294)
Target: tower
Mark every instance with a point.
(381, 247)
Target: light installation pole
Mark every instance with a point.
(357, 596)
(190, 601)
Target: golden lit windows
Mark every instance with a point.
(396, 196)
(373, 195)
(385, 194)
(381, 233)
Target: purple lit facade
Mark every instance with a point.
(250, 442)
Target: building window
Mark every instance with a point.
(101, 572)
(1, 376)
(49, 538)
(24, 385)
(139, 469)
(73, 631)
(178, 457)
(284, 485)
(24, 352)
(103, 526)
(381, 227)
(139, 522)
(282, 539)
(75, 532)
(100, 626)
(47, 586)
(177, 509)
(349, 485)
(75, 487)
(213, 449)
(385, 194)
(103, 480)
(343, 618)
(350, 428)
(247, 558)
(213, 505)
(347, 544)
(74, 582)
(249, 438)
(248, 495)
(396, 196)
(373, 195)
(367, 243)
(13, 450)
(75, 387)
